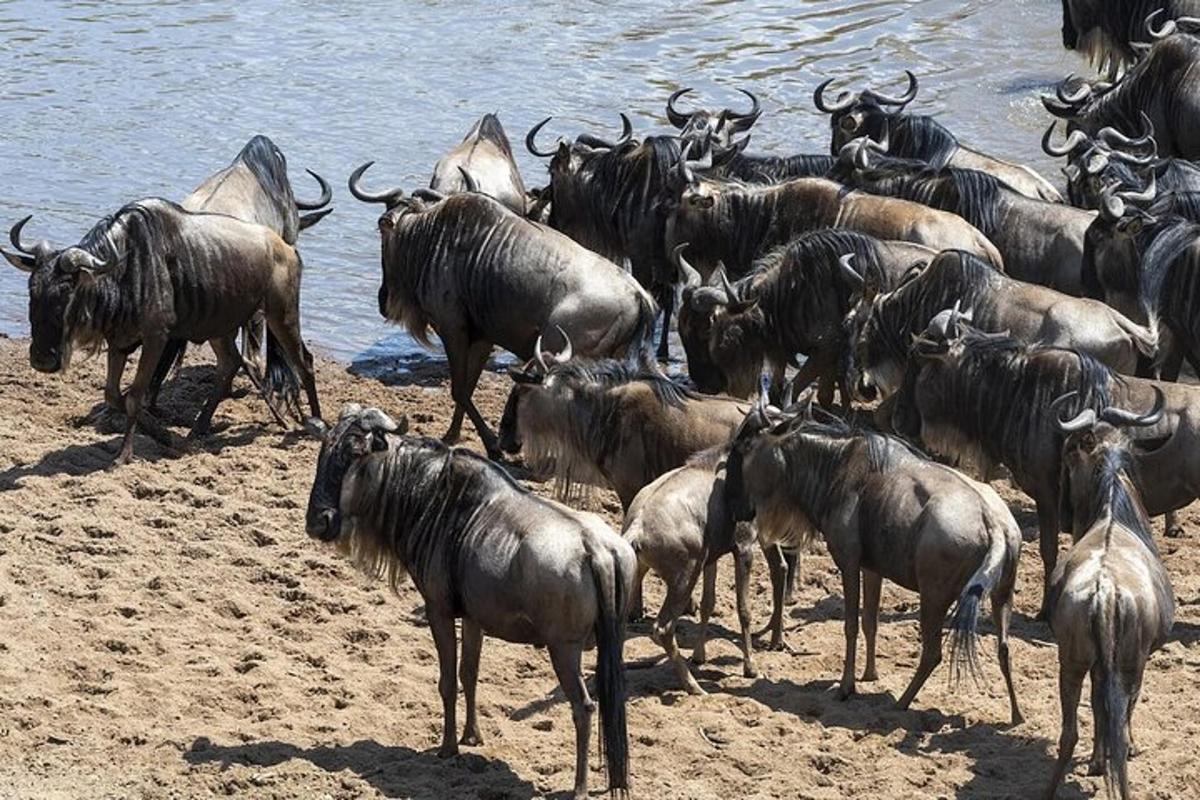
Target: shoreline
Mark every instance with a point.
(169, 630)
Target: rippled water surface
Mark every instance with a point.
(106, 102)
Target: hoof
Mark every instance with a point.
(471, 740)
(447, 751)
(844, 694)
(1174, 532)
(748, 671)
(699, 657)
(869, 676)
(1095, 768)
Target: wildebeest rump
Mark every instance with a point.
(1111, 602)
(153, 273)
(481, 276)
(481, 548)
(483, 162)
(887, 512)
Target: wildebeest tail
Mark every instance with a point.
(280, 383)
(610, 670)
(641, 343)
(171, 359)
(1109, 633)
(964, 633)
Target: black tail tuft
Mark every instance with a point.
(641, 344)
(280, 382)
(610, 680)
(964, 636)
(170, 360)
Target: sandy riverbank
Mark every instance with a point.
(167, 630)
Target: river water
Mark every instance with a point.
(106, 102)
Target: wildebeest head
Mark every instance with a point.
(713, 323)
(1111, 157)
(875, 366)
(358, 433)
(1112, 246)
(866, 113)
(1098, 447)
(534, 389)
(751, 443)
(712, 128)
(54, 277)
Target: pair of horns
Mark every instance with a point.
(1119, 417)
(847, 99)
(562, 357)
(584, 138)
(740, 122)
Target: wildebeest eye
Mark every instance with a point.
(701, 201)
(849, 123)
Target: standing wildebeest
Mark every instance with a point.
(254, 188)
(793, 302)
(483, 549)
(679, 526)
(884, 324)
(482, 162)
(1111, 602)
(869, 113)
(983, 399)
(1111, 30)
(884, 512)
(608, 196)
(153, 273)
(1165, 87)
(481, 276)
(734, 224)
(1040, 242)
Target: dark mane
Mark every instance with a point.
(609, 373)
(775, 169)
(269, 166)
(922, 138)
(1169, 274)
(972, 195)
(1111, 495)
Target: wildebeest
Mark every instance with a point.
(481, 276)
(1162, 86)
(153, 273)
(885, 323)
(877, 115)
(1111, 601)
(1108, 32)
(884, 512)
(1040, 242)
(608, 196)
(712, 127)
(679, 527)
(793, 302)
(984, 399)
(732, 223)
(483, 162)
(483, 549)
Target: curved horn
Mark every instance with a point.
(843, 101)
(691, 277)
(845, 263)
(1119, 416)
(1166, 30)
(1095, 161)
(1074, 140)
(531, 145)
(568, 351)
(1137, 161)
(743, 122)
(468, 179)
(1112, 206)
(1146, 195)
(595, 141)
(1081, 421)
(1113, 137)
(538, 356)
(432, 195)
(909, 95)
(389, 198)
(322, 201)
(677, 117)
(730, 292)
(14, 236)
(1075, 98)
(736, 148)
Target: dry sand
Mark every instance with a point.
(168, 630)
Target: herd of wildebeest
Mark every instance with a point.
(988, 323)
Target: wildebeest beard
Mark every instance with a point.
(991, 404)
(571, 443)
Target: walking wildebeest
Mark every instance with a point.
(869, 113)
(483, 549)
(482, 162)
(1111, 601)
(982, 399)
(679, 527)
(1040, 242)
(884, 324)
(481, 276)
(608, 196)
(793, 302)
(884, 512)
(735, 224)
(153, 273)
(621, 425)
(1164, 86)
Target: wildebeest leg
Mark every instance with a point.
(135, 398)
(566, 659)
(1070, 686)
(1001, 616)
(872, 590)
(1171, 527)
(791, 559)
(286, 329)
(1134, 694)
(743, 558)
(1099, 723)
(465, 369)
(850, 582)
(112, 379)
(679, 591)
(933, 615)
(775, 569)
(1047, 513)
(708, 599)
(667, 301)
(228, 362)
(442, 626)
(637, 603)
(472, 644)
